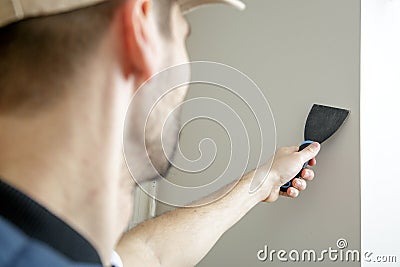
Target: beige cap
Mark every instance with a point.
(15, 10)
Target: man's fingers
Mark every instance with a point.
(310, 152)
(299, 184)
(307, 174)
(292, 192)
(312, 162)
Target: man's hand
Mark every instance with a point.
(287, 164)
(184, 236)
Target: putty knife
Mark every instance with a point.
(322, 122)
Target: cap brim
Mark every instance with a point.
(190, 5)
(15, 10)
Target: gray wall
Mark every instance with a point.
(299, 52)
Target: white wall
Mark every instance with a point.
(380, 130)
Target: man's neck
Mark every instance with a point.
(63, 158)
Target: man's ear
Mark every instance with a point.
(139, 37)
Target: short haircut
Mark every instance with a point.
(38, 55)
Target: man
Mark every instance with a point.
(68, 70)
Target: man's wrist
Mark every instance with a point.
(267, 178)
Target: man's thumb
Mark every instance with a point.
(310, 152)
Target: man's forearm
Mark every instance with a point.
(184, 236)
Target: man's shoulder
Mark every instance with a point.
(19, 250)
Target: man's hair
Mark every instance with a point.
(39, 55)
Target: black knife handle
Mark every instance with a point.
(286, 186)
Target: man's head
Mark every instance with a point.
(40, 54)
(47, 47)
(68, 69)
